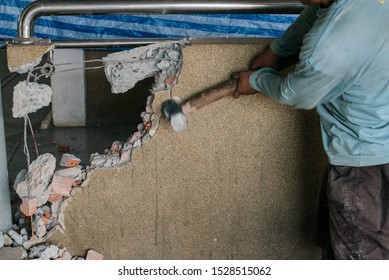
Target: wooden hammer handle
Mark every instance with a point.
(208, 96)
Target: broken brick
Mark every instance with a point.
(93, 255)
(61, 185)
(28, 206)
(55, 198)
(44, 219)
(116, 146)
(63, 148)
(68, 160)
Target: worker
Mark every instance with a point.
(342, 72)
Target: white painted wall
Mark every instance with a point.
(68, 101)
(5, 201)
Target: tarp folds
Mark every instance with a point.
(144, 26)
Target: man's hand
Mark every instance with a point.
(266, 58)
(243, 86)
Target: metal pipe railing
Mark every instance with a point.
(57, 8)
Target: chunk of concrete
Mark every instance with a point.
(13, 253)
(23, 58)
(68, 160)
(16, 237)
(44, 252)
(39, 175)
(163, 60)
(7, 240)
(28, 97)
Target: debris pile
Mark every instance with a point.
(43, 189)
(43, 251)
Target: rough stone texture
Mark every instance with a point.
(23, 58)
(16, 237)
(44, 252)
(124, 69)
(28, 97)
(40, 173)
(7, 240)
(13, 253)
(68, 160)
(241, 182)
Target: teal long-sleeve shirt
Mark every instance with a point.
(343, 72)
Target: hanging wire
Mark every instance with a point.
(27, 153)
(40, 68)
(27, 122)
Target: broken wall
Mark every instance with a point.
(241, 182)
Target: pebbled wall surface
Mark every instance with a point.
(241, 182)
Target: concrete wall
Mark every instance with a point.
(241, 182)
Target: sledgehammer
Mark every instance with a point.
(176, 110)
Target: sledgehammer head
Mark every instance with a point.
(173, 111)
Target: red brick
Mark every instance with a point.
(28, 206)
(93, 255)
(68, 160)
(63, 148)
(55, 198)
(62, 185)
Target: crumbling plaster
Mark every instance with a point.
(241, 182)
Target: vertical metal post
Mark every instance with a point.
(5, 200)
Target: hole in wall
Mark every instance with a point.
(115, 124)
(105, 108)
(109, 118)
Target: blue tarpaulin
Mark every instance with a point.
(143, 26)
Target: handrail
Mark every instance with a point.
(60, 8)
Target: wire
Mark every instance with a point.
(104, 61)
(27, 153)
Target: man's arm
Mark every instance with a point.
(291, 41)
(288, 45)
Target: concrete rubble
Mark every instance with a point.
(36, 181)
(42, 251)
(32, 55)
(164, 60)
(69, 160)
(120, 152)
(28, 97)
(48, 186)
(44, 186)
(27, 238)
